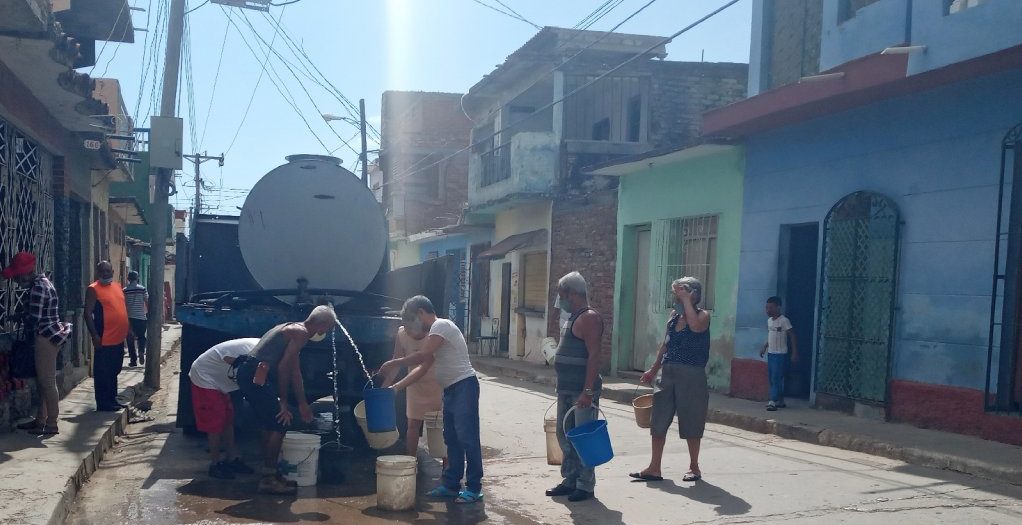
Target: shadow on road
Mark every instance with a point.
(727, 504)
(592, 511)
(272, 510)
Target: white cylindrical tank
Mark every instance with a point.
(312, 219)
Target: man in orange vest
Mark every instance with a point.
(106, 316)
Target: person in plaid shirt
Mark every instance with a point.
(43, 321)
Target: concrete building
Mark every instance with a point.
(525, 172)
(679, 213)
(425, 188)
(52, 145)
(873, 205)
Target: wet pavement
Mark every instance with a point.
(157, 476)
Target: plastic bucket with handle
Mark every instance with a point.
(434, 423)
(381, 415)
(591, 441)
(377, 440)
(554, 454)
(643, 407)
(299, 458)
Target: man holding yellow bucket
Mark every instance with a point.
(577, 365)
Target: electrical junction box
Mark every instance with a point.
(166, 142)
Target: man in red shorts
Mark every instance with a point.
(211, 401)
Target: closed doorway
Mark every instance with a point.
(643, 352)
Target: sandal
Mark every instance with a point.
(442, 492)
(45, 430)
(692, 476)
(639, 477)
(467, 496)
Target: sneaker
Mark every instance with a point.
(289, 482)
(31, 424)
(771, 406)
(272, 485)
(782, 405)
(132, 364)
(239, 467)
(141, 360)
(221, 470)
(580, 495)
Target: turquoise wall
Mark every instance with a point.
(710, 184)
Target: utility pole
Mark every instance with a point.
(197, 159)
(164, 179)
(364, 156)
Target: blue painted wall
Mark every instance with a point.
(937, 156)
(458, 286)
(986, 28)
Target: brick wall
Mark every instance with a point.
(682, 91)
(794, 28)
(415, 125)
(584, 239)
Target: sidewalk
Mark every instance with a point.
(917, 446)
(40, 477)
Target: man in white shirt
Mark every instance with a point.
(446, 352)
(211, 402)
(776, 348)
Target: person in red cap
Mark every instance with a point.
(43, 321)
(106, 317)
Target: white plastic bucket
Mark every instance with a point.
(377, 440)
(299, 458)
(434, 423)
(395, 482)
(554, 454)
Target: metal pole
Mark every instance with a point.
(364, 157)
(164, 177)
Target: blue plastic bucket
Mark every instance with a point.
(381, 415)
(592, 441)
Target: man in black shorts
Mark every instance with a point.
(267, 375)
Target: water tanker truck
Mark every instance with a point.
(310, 232)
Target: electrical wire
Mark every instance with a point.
(516, 13)
(574, 92)
(216, 79)
(268, 66)
(300, 84)
(144, 73)
(124, 8)
(499, 10)
(255, 88)
(190, 11)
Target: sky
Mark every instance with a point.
(361, 49)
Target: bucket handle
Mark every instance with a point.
(370, 382)
(572, 409)
(552, 405)
(321, 445)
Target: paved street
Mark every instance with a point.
(157, 476)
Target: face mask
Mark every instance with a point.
(315, 338)
(416, 327)
(564, 304)
(106, 280)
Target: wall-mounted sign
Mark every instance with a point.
(92, 144)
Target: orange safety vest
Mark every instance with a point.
(110, 314)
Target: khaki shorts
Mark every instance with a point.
(681, 391)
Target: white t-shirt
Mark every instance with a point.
(210, 370)
(452, 363)
(777, 335)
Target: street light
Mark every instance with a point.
(330, 117)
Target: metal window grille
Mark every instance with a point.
(496, 165)
(26, 213)
(686, 247)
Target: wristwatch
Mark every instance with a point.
(589, 392)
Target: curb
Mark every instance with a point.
(91, 462)
(812, 434)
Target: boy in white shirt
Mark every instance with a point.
(776, 349)
(446, 352)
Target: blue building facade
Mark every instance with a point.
(872, 202)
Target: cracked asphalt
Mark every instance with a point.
(156, 475)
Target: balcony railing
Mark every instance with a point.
(496, 165)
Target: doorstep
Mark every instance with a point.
(917, 446)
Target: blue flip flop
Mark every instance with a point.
(467, 496)
(442, 492)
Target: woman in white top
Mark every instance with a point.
(424, 396)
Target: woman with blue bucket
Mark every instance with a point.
(577, 365)
(446, 352)
(267, 375)
(681, 390)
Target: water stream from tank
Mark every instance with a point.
(354, 347)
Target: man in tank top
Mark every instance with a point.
(106, 317)
(577, 365)
(268, 374)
